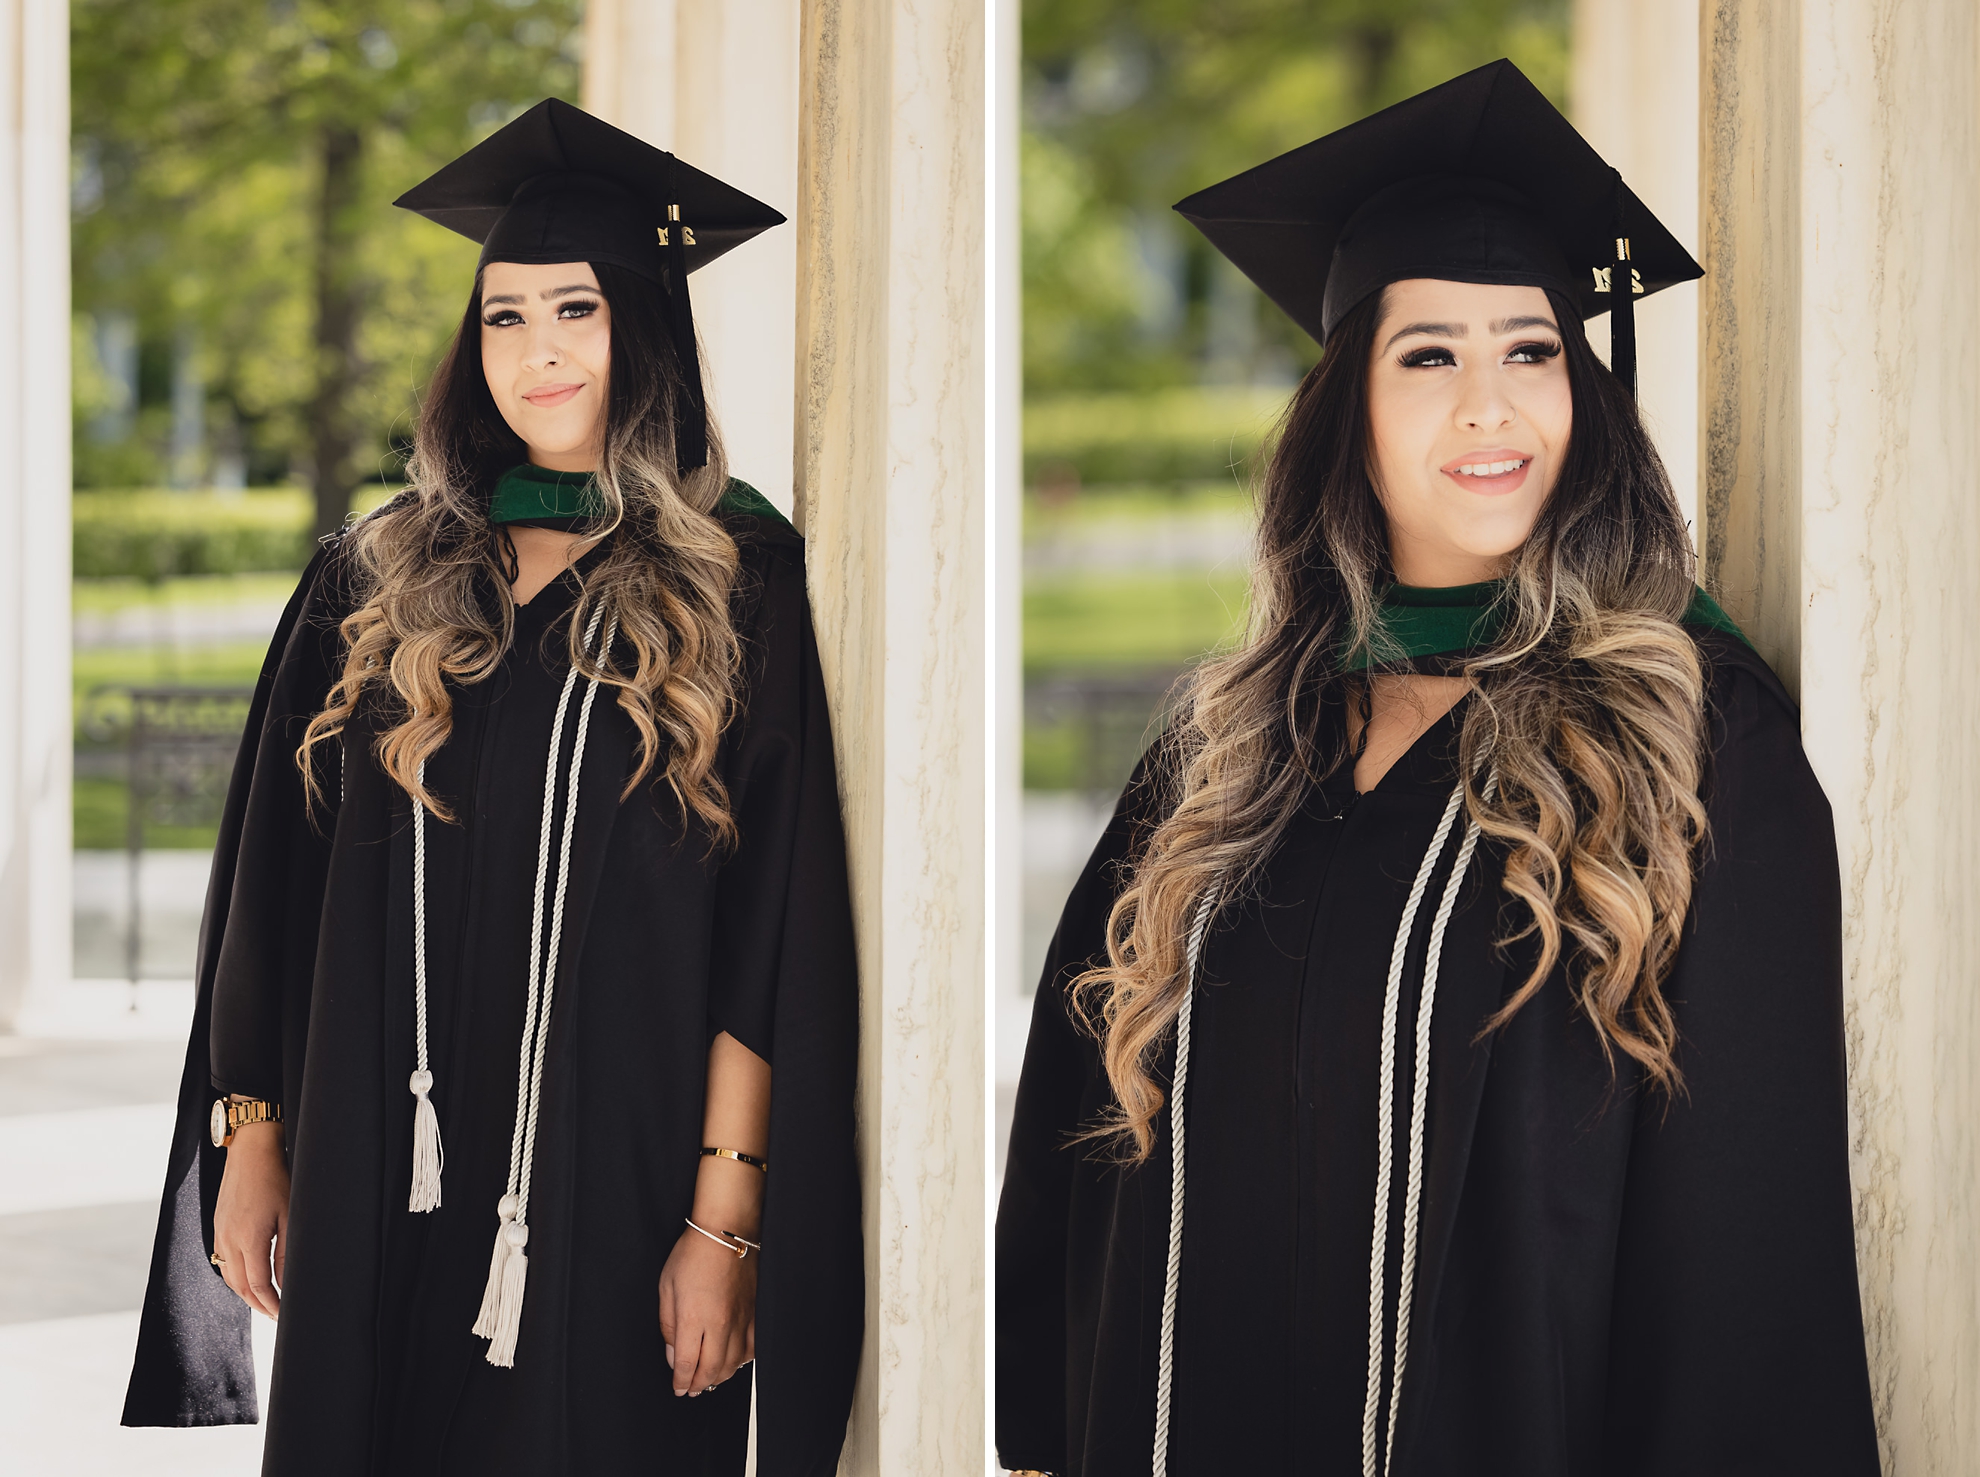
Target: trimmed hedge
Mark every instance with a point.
(157, 535)
(1163, 436)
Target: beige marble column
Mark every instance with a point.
(717, 84)
(1634, 95)
(1750, 321)
(890, 456)
(35, 741)
(1841, 155)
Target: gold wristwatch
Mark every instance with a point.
(229, 1116)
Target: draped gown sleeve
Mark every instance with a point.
(1737, 1338)
(257, 945)
(1062, 1089)
(783, 983)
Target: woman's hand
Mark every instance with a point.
(707, 1292)
(252, 1216)
(707, 1312)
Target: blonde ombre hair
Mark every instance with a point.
(1589, 706)
(431, 580)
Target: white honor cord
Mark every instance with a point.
(1166, 1360)
(500, 1315)
(1418, 1119)
(549, 967)
(428, 1158)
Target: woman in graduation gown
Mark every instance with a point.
(528, 925)
(1438, 1068)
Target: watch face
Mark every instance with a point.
(218, 1127)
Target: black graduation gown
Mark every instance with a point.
(305, 996)
(1607, 1284)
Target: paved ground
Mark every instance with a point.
(84, 1119)
(171, 892)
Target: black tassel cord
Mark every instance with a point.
(1622, 298)
(691, 416)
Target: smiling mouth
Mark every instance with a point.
(1490, 469)
(551, 394)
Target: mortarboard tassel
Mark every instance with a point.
(1622, 299)
(691, 418)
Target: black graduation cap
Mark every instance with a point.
(1478, 180)
(558, 185)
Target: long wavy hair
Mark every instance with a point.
(431, 573)
(1588, 707)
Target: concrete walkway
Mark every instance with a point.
(85, 1117)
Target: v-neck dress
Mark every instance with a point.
(1605, 1283)
(307, 987)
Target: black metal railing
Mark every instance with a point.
(175, 749)
(1098, 723)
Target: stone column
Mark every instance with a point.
(717, 84)
(890, 492)
(35, 741)
(1634, 95)
(1006, 488)
(1841, 400)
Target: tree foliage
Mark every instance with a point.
(1132, 104)
(235, 164)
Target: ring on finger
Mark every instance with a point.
(217, 1259)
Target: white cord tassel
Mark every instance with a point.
(500, 1318)
(1165, 1363)
(491, 1294)
(508, 1312)
(428, 1157)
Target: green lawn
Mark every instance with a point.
(105, 596)
(1093, 620)
(1142, 627)
(102, 811)
(1113, 500)
(234, 664)
(1173, 435)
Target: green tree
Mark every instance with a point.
(236, 163)
(1132, 104)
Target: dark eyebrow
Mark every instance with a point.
(1434, 330)
(1463, 330)
(510, 299)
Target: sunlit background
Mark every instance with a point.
(252, 322)
(1153, 370)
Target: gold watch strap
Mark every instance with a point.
(230, 1117)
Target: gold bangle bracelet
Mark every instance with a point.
(739, 1157)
